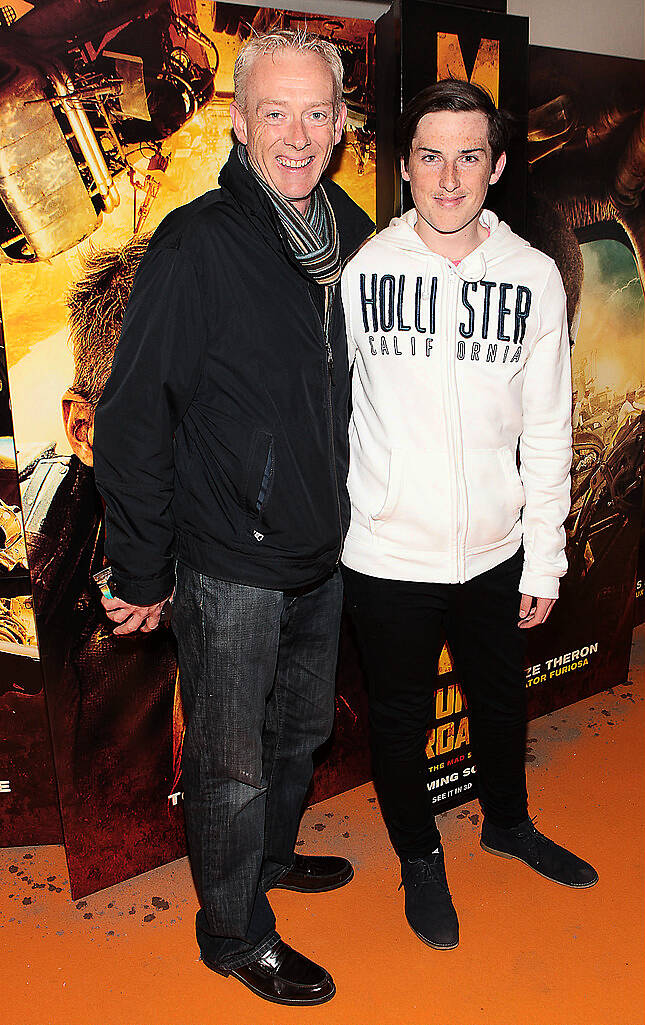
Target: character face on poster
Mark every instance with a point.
(130, 115)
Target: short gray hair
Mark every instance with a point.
(283, 39)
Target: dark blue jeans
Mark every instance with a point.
(257, 684)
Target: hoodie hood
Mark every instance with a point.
(501, 243)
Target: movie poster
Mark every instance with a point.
(586, 160)
(587, 171)
(28, 801)
(125, 106)
(639, 590)
(440, 41)
(586, 176)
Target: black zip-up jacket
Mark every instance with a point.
(221, 436)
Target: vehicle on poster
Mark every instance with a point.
(78, 111)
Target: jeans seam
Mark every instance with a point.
(202, 618)
(279, 728)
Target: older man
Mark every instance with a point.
(229, 488)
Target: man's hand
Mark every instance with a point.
(534, 611)
(133, 617)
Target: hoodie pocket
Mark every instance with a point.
(495, 496)
(415, 513)
(393, 489)
(509, 465)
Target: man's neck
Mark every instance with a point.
(455, 246)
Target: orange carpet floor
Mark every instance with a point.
(531, 952)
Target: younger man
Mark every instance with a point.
(458, 332)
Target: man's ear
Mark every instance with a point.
(78, 418)
(499, 167)
(239, 122)
(404, 171)
(339, 123)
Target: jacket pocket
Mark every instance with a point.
(259, 475)
(495, 496)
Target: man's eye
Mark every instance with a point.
(429, 158)
(470, 158)
(319, 115)
(274, 115)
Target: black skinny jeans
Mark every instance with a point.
(401, 628)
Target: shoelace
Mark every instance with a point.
(425, 871)
(533, 837)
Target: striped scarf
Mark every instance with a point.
(313, 237)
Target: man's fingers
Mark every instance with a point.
(539, 613)
(151, 623)
(525, 605)
(119, 614)
(543, 609)
(130, 624)
(133, 617)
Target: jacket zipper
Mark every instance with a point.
(330, 408)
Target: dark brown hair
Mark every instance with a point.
(452, 94)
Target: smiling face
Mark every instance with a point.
(449, 170)
(289, 125)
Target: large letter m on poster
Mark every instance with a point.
(485, 68)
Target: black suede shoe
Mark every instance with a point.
(526, 844)
(428, 904)
(311, 874)
(283, 976)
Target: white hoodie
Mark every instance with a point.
(452, 365)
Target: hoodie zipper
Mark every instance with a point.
(455, 434)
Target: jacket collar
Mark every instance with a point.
(235, 179)
(239, 182)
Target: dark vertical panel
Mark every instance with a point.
(388, 108)
(415, 23)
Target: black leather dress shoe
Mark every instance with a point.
(283, 976)
(311, 874)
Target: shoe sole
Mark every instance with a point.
(514, 857)
(264, 996)
(307, 889)
(435, 946)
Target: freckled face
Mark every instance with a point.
(449, 170)
(289, 126)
